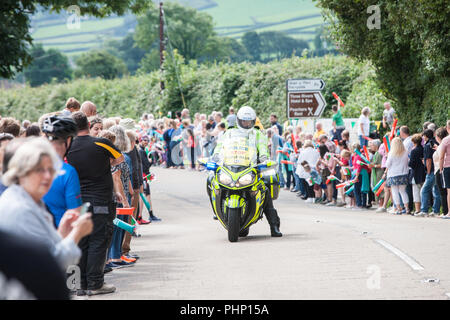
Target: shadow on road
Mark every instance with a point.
(268, 237)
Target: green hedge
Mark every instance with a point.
(206, 88)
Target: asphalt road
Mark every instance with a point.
(325, 252)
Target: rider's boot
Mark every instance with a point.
(275, 231)
(274, 222)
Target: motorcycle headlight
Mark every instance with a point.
(246, 179)
(270, 172)
(225, 178)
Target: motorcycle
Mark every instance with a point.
(238, 194)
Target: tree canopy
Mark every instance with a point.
(47, 65)
(99, 63)
(409, 51)
(189, 31)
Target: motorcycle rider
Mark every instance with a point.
(246, 119)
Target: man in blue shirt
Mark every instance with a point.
(274, 122)
(64, 193)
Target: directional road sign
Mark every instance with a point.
(305, 85)
(304, 99)
(305, 104)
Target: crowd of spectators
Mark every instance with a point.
(76, 159)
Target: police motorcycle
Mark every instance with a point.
(237, 187)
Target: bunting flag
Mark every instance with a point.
(338, 99)
(353, 124)
(348, 172)
(378, 123)
(310, 181)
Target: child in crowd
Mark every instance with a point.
(314, 183)
(377, 171)
(361, 171)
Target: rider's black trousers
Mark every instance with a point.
(270, 212)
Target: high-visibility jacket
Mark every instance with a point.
(255, 139)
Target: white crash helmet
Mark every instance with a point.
(246, 118)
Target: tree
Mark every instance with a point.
(252, 43)
(237, 51)
(99, 63)
(189, 31)
(15, 25)
(127, 50)
(268, 45)
(409, 51)
(46, 65)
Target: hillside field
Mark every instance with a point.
(298, 18)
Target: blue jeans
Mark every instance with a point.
(338, 134)
(428, 188)
(362, 141)
(115, 250)
(298, 184)
(280, 173)
(360, 197)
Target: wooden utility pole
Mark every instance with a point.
(161, 40)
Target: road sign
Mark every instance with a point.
(305, 85)
(305, 104)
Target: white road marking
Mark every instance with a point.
(410, 261)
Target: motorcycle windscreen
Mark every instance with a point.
(239, 151)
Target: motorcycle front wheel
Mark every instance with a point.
(234, 215)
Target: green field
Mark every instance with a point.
(298, 18)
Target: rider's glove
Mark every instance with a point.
(215, 158)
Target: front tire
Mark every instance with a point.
(234, 216)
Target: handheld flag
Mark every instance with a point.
(349, 191)
(380, 189)
(293, 142)
(338, 99)
(387, 144)
(367, 162)
(394, 126)
(378, 185)
(366, 153)
(332, 178)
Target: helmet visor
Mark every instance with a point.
(246, 124)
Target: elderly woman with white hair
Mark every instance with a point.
(29, 176)
(363, 126)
